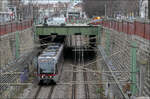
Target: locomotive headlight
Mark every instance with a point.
(42, 76)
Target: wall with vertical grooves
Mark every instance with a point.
(20, 42)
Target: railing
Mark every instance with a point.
(77, 21)
(15, 26)
(138, 28)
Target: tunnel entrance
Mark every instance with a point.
(52, 38)
(74, 49)
(45, 40)
(79, 55)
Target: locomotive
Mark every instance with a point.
(49, 63)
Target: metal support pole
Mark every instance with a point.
(99, 34)
(105, 10)
(133, 68)
(107, 42)
(34, 31)
(17, 44)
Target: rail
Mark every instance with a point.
(86, 88)
(40, 90)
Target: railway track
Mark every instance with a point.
(86, 88)
(37, 92)
(74, 86)
(48, 90)
(82, 90)
(51, 92)
(41, 93)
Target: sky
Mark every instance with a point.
(45, 1)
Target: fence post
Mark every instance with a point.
(122, 22)
(34, 30)
(11, 27)
(127, 27)
(17, 44)
(5, 29)
(144, 30)
(133, 68)
(107, 41)
(99, 34)
(0, 31)
(134, 27)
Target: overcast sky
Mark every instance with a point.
(44, 1)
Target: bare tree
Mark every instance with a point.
(94, 7)
(125, 7)
(112, 7)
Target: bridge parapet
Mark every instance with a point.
(67, 30)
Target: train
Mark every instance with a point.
(49, 63)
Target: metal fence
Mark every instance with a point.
(77, 21)
(14, 76)
(8, 90)
(139, 28)
(18, 77)
(15, 26)
(125, 47)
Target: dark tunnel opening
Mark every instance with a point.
(69, 52)
(45, 40)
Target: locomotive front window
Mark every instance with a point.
(46, 67)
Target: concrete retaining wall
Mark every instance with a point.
(121, 42)
(17, 51)
(20, 42)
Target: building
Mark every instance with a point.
(144, 8)
(5, 13)
(3, 5)
(74, 10)
(0, 5)
(49, 1)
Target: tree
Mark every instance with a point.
(113, 7)
(94, 7)
(124, 7)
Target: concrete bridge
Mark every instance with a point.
(68, 30)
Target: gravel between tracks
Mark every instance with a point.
(64, 91)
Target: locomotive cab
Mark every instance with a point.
(48, 63)
(46, 68)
